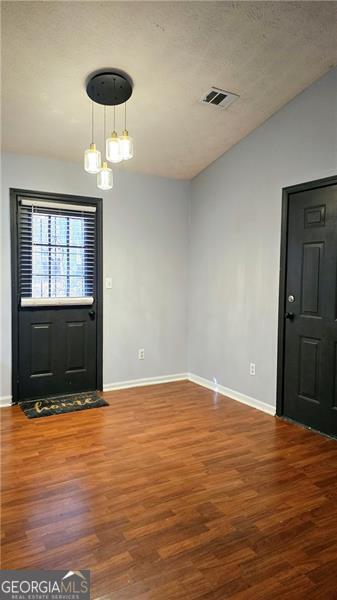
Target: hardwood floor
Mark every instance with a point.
(172, 492)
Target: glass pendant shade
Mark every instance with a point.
(126, 145)
(104, 178)
(113, 150)
(92, 160)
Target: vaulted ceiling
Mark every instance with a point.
(266, 52)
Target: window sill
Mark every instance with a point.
(86, 301)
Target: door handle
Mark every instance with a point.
(92, 314)
(290, 316)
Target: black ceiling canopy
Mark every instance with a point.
(109, 88)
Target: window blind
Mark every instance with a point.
(57, 253)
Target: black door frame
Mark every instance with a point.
(286, 192)
(98, 202)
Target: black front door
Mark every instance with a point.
(56, 294)
(310, 367)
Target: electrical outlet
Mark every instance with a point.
(252, 369)
(141, 354)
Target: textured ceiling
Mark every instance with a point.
(267, 52)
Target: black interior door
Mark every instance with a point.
(57, 350)
(56, 292)
(310, 373)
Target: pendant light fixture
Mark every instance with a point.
(92, 157)
(109, 88)
(104, 177)
(113, 148)
(126, 142)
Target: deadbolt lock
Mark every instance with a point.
(291, 298)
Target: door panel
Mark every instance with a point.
(311, 327)
(76, 346)
(309, 369)
(57, 352)
(311, 272)
(41, 349)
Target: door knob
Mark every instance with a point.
(290, 316)
(92, 314)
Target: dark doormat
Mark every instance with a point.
(57, 405)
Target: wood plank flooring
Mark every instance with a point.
(172, 492)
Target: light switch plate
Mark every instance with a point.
(108, 283)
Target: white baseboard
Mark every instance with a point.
(220, 389)
(121, 385)
(5, 401)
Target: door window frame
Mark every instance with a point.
(286, 193)
(15, 196)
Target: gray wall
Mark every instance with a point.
(235, 225)
(145, 253)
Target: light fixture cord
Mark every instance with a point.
(125, 115)
(92, 122)
(114, 105)
(104, 132)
